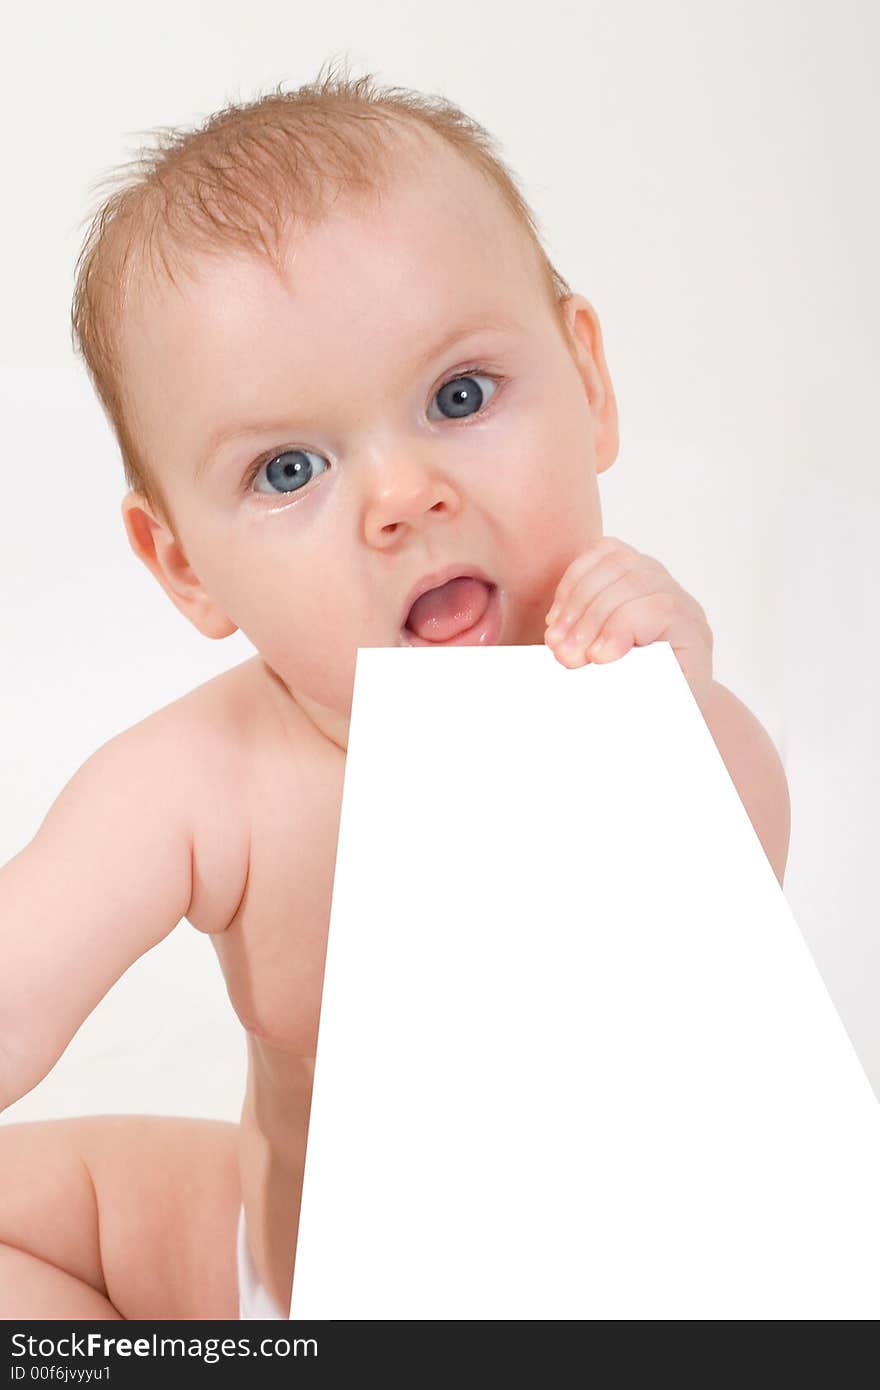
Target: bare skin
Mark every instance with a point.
(119, 1216)
(131, 1177)
(235, 815)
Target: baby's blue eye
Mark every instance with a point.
(290, 471)
(462, 396)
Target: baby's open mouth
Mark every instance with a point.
(450, 609)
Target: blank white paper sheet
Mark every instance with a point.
(575, 1059)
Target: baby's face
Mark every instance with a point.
(402, 408)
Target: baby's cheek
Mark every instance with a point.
(556, 527)
(552, 494)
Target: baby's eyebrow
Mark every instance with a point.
(224, 433)
(458, 335)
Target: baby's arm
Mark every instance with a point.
(755, 770)
(107, 875)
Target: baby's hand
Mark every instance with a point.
(612, 598)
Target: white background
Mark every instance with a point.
(705, 174)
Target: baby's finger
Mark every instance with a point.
(649, 614)
(606, 545)
(600, 576)
(637, 623)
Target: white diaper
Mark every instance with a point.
(254, 1302)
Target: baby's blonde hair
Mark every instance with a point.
(234, 181)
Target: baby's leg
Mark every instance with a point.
(119, 1216)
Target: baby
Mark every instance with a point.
(357, 406)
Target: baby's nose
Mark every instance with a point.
(407, 496)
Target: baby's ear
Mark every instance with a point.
(154, 542)
(585, 334)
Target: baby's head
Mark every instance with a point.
(341, 369)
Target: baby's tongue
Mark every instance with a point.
(451, 608)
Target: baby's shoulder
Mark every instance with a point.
(245, 763)
(200, 742)
(195, 735)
